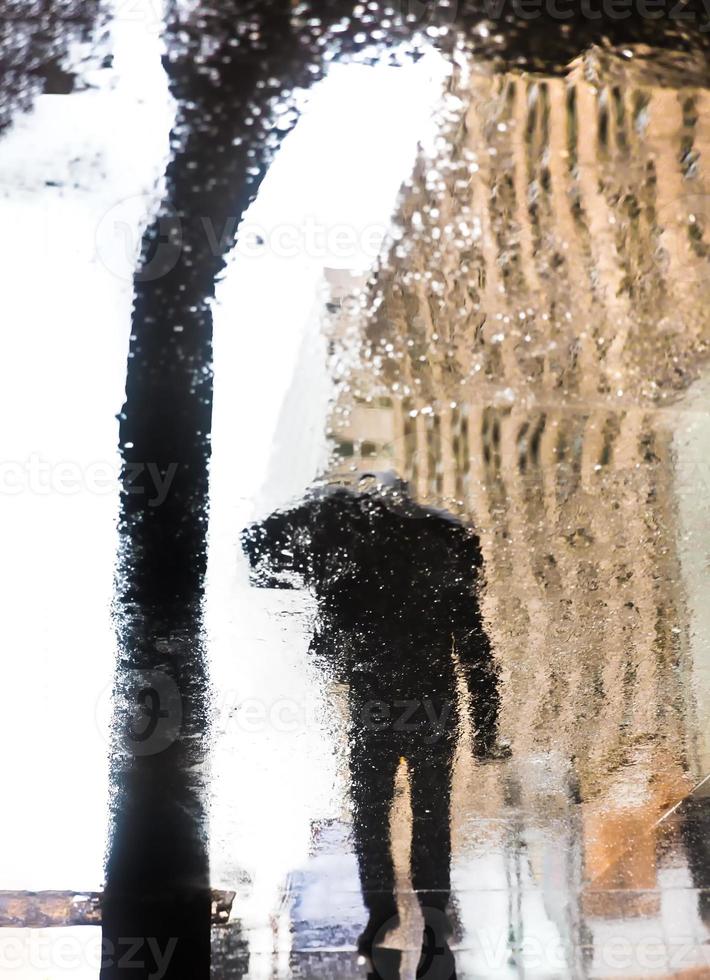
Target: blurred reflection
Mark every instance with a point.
(695, 833)
(157, 876)
(516, 359)
(544, 303)
(399, 623)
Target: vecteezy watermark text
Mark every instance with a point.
(697, 13)
(494, 950)
(119, 236)
(43, 477)
(145, 711)
(49, 951)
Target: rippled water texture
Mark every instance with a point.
(356, 491)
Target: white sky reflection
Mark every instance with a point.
(67, 318)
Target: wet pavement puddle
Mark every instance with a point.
(356, 496)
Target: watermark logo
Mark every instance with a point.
(142, 712)
(136, 240)
(127, 252)
(436, 961)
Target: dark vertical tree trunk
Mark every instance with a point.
(157, 878)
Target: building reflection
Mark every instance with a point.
(518, 354)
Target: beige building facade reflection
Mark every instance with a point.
(521, 355)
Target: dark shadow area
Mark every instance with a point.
(399, 623)
(547, 35)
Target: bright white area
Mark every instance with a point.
(66, 321)
(39, 954)
(326, 203)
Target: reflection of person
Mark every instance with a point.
(695, 828)
(399, 622)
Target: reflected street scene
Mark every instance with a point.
(355, 490)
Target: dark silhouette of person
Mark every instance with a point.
(399, 622)
(694, 815)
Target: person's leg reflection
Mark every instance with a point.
(373, 767)
(430, 775)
